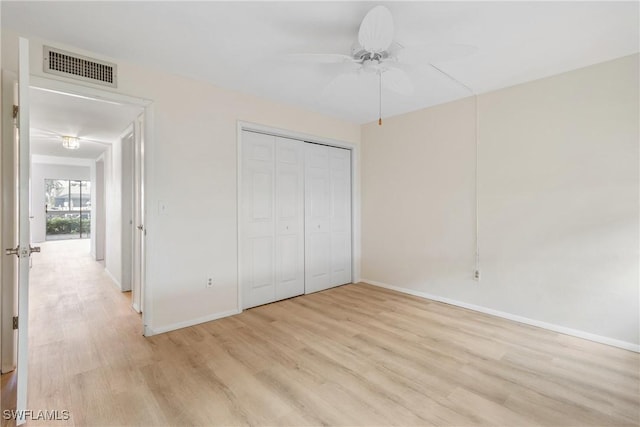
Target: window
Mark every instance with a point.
(68, 209)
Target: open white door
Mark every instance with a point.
(23, 249)
(127, 142)
(9, 224)
(138, 215)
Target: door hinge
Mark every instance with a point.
(15, 322)
(16, 110)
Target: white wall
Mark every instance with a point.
(191, 159)
(113, 223)
(39, 173)
(112, 164)
(558, 201)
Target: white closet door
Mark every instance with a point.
(289, 218)
(317, 218)
(258, 276)
(327, 217)
(340, 174)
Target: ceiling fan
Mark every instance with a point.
(376, 52)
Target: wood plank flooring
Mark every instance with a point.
(354, 355)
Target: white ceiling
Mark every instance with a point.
(96, 123)
(243, 45)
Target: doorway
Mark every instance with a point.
(88, 205)
(102, 157)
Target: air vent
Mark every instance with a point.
(79, 67)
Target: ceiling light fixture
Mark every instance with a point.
(70, 142)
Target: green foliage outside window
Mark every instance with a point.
(61, 225)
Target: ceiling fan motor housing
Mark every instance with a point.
(360, 54)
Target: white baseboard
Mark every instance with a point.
(192, 322)
(6, 368)
(136, 307)
(550, 326)
(116, 282)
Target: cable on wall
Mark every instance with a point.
(476, 273)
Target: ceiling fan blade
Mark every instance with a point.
(340, 82)
(346, 86)
(397, 80)
(319, 58)
(394, 50)
(376, 30)
(426, 53)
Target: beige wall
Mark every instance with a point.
(192, 169)
(558, 201)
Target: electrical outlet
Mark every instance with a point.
(476, 275)
(209, 282)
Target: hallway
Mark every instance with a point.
(82, 329)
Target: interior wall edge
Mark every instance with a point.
(116, 282)
(191, 322)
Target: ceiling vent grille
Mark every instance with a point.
(78, 67)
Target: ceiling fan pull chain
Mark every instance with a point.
(380, 99)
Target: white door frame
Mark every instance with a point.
(303, 138)
(147, 129)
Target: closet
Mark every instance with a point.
(295, 218)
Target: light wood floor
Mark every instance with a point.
(353, 355)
